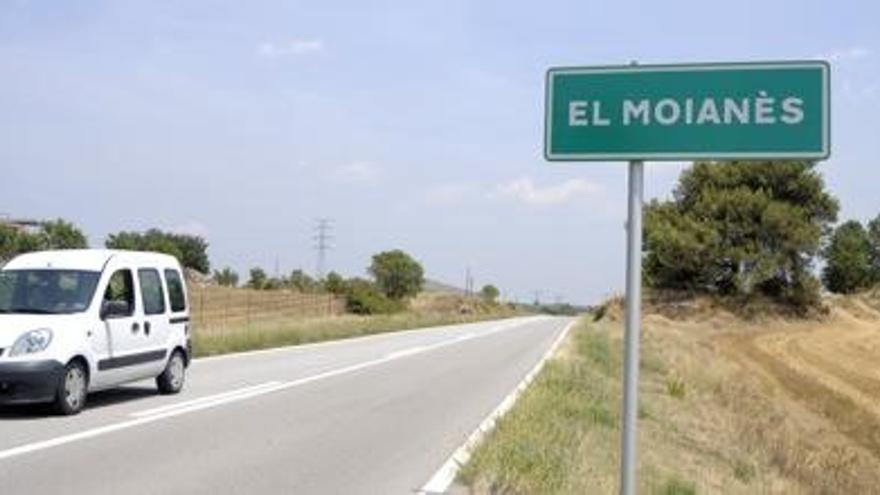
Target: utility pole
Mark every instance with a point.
(323, 240)
(468, 282)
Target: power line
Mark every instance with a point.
(323, 240)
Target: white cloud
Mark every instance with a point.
(358, 173)
(290, 48)
(525, 191)
(846, 55)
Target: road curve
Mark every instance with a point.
(373, 415)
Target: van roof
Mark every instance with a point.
(84, 259)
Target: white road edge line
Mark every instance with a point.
(445, 476)
(256, 391)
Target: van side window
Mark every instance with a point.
(120, 291)
(151, 291)
(175, 291)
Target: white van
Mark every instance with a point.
(76, 321)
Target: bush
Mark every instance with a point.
(489, 293)
(302, 281)
(334, 283)
(364, 298)
(226, 277)
(258, 279)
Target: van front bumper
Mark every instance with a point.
(29, 381)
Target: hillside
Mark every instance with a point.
(766, 404)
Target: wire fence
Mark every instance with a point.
(222, 308)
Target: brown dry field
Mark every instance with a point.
(772, 404)
(220, 309)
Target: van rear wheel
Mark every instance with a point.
(172, 379)
(70, 396)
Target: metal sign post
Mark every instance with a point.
(629, 437)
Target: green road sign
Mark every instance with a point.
(685, 112)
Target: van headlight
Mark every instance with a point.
(31, 342)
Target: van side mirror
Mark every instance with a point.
(114, 309)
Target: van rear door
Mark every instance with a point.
(178, 304)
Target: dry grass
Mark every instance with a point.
(266, 330)
(215, 308)
(729, 405)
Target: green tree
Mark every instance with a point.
(10, 242)
(226, 277)
(489, 293)
(874, 241)
(334, 283)
(741, 229)
(59, 234)
(302, 281)
(55, 234)
(397, 274)
(191, 250)
(258, 279)
(848, 259)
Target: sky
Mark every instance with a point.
(412, 125)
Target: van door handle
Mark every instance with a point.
(135, 327)
(147, 327)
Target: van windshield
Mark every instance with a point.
(46, 291)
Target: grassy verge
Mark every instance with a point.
(563, 435)
(537, 447)
(285, 332)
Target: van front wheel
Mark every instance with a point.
(171, 380)
(70, 396)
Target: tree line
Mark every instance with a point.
(191, 250)
(395, 276)
(735, 229)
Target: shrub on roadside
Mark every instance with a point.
(364, 298)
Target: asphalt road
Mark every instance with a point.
(374, 415)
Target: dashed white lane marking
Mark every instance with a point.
(407, 352)
(204, 400)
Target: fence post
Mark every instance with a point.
(248, 310)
